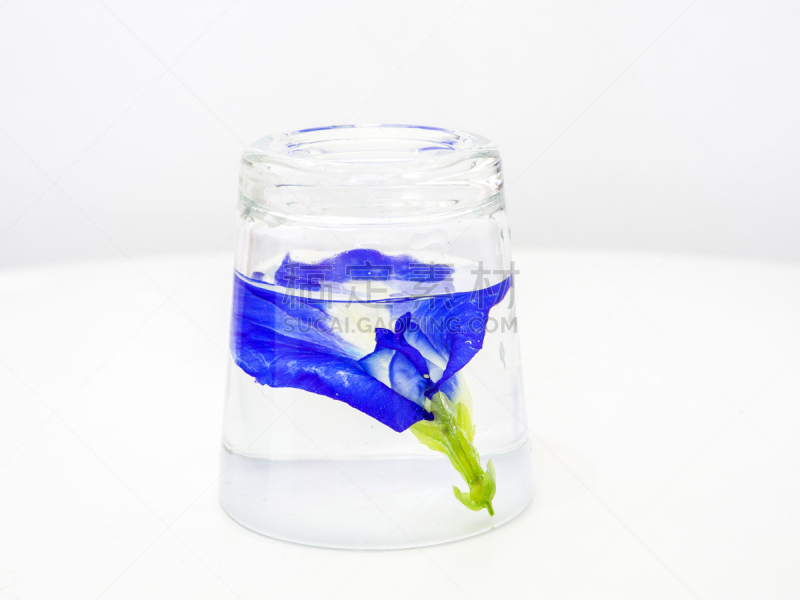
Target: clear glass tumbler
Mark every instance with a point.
(375, 394)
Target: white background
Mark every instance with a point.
(623, 125)
(652, 157)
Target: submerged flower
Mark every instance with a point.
(403, 372)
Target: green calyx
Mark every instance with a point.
(451, 432)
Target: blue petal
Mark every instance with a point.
(455, 325)
(377, 365)
(420, 341)
(261, 349)
(385, 338)
(406, 379)
(354, 265)
(290, 315)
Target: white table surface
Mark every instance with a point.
(663, 397)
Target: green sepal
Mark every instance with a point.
(430, 435)
(481, 493)
(464, 421)
(451, 432)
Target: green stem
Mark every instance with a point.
(451, 432)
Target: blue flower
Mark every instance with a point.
(283, 339)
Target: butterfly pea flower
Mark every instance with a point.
(405, 375)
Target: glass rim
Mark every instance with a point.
(371, 174)
(390, 148)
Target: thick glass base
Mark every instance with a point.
(366, 504)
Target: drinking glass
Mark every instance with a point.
(374, 397)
